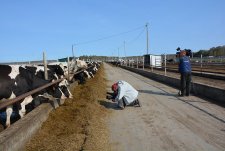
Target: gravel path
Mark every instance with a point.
(165, 121)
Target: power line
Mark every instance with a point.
(133, 40)
(111, 36)
(138, 36)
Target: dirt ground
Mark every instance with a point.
(165, 122)
(79, 124)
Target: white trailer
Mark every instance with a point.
(153, 60)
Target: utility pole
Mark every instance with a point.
(147, 35)
(45, 66)
(73, 52)
(118, 53)
(124, 51)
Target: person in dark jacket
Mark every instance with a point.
(185, 71)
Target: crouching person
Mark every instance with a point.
(124, 94)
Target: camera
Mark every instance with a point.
(188, 52)
(109, 97)
(178, 49)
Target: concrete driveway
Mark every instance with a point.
(165, 121)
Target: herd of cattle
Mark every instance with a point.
(16, 80)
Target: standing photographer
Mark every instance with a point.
(185, 71)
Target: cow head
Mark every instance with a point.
(64, 87)
(64, 68)
(87, 74)
(66, 91)
(81, 63)
(58, 93)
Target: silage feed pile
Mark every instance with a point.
(79, 124)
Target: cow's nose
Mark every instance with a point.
(71, 96)
(63, 97)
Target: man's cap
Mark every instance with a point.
(115, 87)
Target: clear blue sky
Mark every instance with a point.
(27, 27)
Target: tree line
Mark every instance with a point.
(214, 51)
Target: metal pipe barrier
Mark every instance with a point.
(6, 102)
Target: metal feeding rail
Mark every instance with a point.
(6, 103)
(12, 101)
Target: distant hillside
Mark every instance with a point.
(214, 51)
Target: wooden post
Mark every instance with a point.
(45, 66)
(165, 62)
(137, 62)
(151, 63)
(143, 63)
(201, 62)
(68, 67)
(132, 62)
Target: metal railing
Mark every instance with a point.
(169, 64)
(15, 100)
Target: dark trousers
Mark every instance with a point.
(185, 83)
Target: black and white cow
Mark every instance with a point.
(81, 64)
(68, 69)
(97, 65)
(16, 80)
(55, 72)
(64, 65)
(60, 70)
(90, 72)
(81, 76)
(92, 68)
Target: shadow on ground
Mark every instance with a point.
(109, 105)
(185, 101)
(157, 93)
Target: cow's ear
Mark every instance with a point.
(7, 69)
